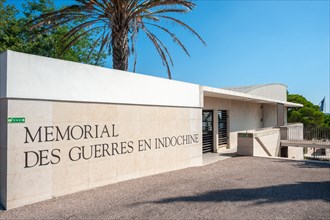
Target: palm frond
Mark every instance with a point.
(184, 25)
(160, 49)
(115, 22)
(174, 37)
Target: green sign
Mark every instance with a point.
(16, 120)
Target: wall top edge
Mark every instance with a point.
(93, 102)
(35, 77)
(12, 54)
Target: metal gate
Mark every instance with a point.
(207, 131)
(222, 127)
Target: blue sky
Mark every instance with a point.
(253, 42)
(249, 42)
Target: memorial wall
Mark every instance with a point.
(67, 127)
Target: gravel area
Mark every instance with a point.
(236, 188)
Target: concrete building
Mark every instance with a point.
(245, 108)
(67, 127)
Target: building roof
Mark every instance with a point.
(234, 95)
(246, 89)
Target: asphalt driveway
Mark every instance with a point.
(236, 188)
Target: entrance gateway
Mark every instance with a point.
(222, 128)
(208, 130)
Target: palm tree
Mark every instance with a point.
(117, 23)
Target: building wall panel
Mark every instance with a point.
(41, 165)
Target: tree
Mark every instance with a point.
(15, 34)
(9, 26)
(309, 115)
(326, 120)
(119, 22)
(295, 116)
(318, 118)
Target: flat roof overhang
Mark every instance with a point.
(228, 94)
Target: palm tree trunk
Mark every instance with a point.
(119, 42)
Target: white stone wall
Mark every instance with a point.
(269, 115)
(270, 139)
(86, 126)
(261, 143)
(296, 153)
(35, 77)
(245, 116)
(245, 146)
(273, 91)
(295, 131)
(131, 149)
(242, 116)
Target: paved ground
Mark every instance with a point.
(236, 188)
(224, 154)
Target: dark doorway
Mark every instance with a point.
(284, 151)
(207, 131)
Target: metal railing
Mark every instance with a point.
(317, 134)
(311, 134)
(315, 141)
(316, 154)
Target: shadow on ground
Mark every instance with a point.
(228, 154)
(272, 194)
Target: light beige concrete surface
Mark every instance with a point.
(269, 115)
(270, 139)
(245, 97)
(270, 90)
(264, 143)
(35, 77)
(296, 153)
(273, 91)
(69, 147)
(3, 143)
(245, 146)
(242, 116)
